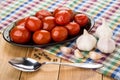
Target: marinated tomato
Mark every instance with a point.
(73, 28)
(81, 19)
(22, 22)
(64, 9)
(42, 13)
(62, 17)
(20, 35)
(33, 24)
(41, 37)
(59, 33)
(48, 23)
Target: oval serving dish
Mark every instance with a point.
(6, 35)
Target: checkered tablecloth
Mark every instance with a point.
(11, 10)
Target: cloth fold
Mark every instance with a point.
(109, 9)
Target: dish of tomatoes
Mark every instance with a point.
(47, 28)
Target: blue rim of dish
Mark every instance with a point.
(6, 35)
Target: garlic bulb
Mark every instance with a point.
(95, 55)
(86, 41)
(104, 30)
(78, 54)
(65, 50)
(106, 45)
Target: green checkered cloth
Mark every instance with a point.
(11, 10)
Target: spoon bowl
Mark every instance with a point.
(31, 65)
(25, 64)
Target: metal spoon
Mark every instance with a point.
(30, 65)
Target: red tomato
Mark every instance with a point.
(20, 35)
(22, 22)
(59, 33)
(49, 23)
(73, 28)
(41, 37)
(62, 17)
(63, 8)
(81, 19)
(43, 13)
(33, 24)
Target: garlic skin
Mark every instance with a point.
(106, 45)
(65, 50)
(95, 56)
(104, 30)
(86, 41)
(78, 54)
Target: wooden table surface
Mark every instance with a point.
(47, 72)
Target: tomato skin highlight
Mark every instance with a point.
(73, 28)
(41, 37)
(59, 33)
(20, 35)
(42, 13)
(48, 23)
(33, 24)
(81, 19)
(62, 17)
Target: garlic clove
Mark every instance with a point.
(106, 45)
(95, 55)
(104, 30)
(86, 41)
(65, 50)
(78, 54)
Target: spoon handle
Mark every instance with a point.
(81, 65)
